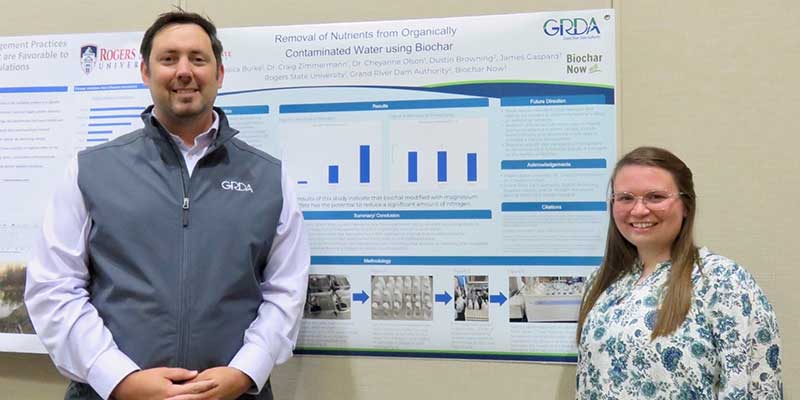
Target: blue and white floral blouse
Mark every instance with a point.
(727, 348)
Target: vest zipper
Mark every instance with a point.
(185, 211)
(183, 289)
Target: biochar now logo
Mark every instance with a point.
(571, 27)
(584, 63)
(237, 186)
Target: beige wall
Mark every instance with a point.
(714, 81)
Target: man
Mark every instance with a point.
(461, 306)
(173, 262)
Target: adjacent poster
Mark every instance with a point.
(453, 172)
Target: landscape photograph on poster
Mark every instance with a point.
(13, 314)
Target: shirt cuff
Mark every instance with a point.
(109, 370)
(255, 362)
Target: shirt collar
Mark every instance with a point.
(200, 141)
(638, 268)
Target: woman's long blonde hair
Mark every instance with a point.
(621, 254)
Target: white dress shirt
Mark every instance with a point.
(71, 330)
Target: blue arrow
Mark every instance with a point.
(443, 298)
(498, 298)
(362, 297)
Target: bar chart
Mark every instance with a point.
(105, 112)
(439, 154)
(335, 155)
(106, 123)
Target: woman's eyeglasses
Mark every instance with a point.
(655, 200)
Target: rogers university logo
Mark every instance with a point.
(88, 58)
(103, 58)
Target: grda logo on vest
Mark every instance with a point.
(237, 186)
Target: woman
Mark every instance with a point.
(661, 318)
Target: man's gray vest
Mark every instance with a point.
(176, 262)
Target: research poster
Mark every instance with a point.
(453, 172)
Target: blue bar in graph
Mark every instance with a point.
(412, 166)
(114, 116)
(364, 164)
(472, 167)
(111, 124)
(100, 132)
(441, 165)
(138, 108)
(333, 174)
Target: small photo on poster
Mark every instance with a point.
(402, 297)
(13, 313)
(545, 298)
(328, 297)
(471, 297)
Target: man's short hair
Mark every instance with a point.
(180, 17)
